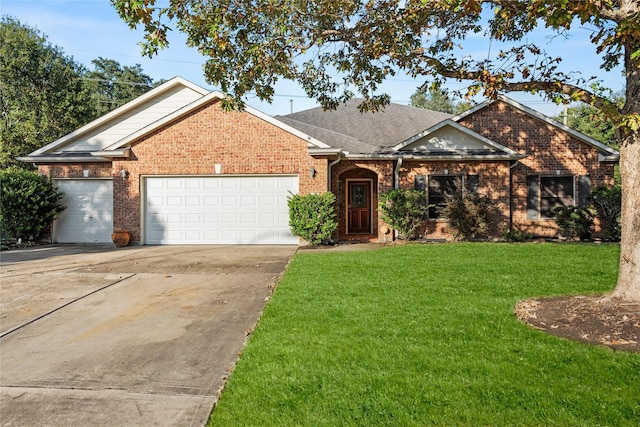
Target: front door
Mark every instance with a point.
(359, 207)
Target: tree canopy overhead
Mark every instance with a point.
(337, 49)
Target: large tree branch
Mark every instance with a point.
(495, 83)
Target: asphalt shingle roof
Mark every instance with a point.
(364, 133)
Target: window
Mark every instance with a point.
(544, 193)
(555, 191)
(439, 187)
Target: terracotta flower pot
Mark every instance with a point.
(120, 238)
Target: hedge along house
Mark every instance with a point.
(172, 167)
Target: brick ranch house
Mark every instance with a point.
(172, 167)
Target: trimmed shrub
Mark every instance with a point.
(574, 221)
(608, 203)
(313, 217)
(469, 214)
(28, 205)
(404, 210)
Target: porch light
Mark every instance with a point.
(123, 173)
(312, 172)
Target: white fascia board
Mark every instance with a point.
(120, 110)
(456, 157)
(56, 159)
(463, 129)
(112, 153)
(324, 151)
(197, 104)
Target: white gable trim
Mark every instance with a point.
(612, 154)
(199, 103)
(459, 127)
(119, 111)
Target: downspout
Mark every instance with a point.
(331, 165)
(396, 185)
(514, 163)
(396, 174)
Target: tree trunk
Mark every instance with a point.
(628, 286)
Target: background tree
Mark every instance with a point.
(438, 99)
(592, 122)
(335, 48)
(41, 94)
(113, 85)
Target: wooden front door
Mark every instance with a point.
(359, 207)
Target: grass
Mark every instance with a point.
(426, 335)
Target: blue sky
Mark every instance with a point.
(88, 29)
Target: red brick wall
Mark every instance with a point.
(549, 149)
(240, 142)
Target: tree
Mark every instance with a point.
(41, 94)
(438, 99)
(333, 47)
(113, 85)
(590, 121)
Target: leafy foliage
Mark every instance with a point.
(28, 204)
(437, 99)
(469, 213)
(41, 94)
(590, 121)
(404, 210)
(45, 94)
(574, 221)
(112, 85)
(608, 203)
(313, 217)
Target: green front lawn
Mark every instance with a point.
(426, 335)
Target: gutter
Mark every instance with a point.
(57, 159)
(432, 158)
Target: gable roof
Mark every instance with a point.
(109, 136)
(607, 153)
(364, 133)
(474, 143)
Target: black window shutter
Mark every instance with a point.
(420, 183)
(473, 182)
(533, 189)
(584, 188)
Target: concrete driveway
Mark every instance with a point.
(138, 336)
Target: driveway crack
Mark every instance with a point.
(17, 328)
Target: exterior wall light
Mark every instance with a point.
(123, 173)
(85, 173)
(312, 172)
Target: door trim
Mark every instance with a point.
(348, 202)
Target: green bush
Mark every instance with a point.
(313, 217)
(28, 205)
(574, 221)
(608, 204)
(404, 210)
(469, 214)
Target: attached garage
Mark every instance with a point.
(88, 217)
(218, 209)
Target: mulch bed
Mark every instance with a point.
(594, 319)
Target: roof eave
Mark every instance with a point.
(56, 159)
(112, 153)
(456, 157)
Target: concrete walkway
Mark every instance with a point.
(140, 336)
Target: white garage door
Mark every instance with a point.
(89, 214)
(219, 210)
